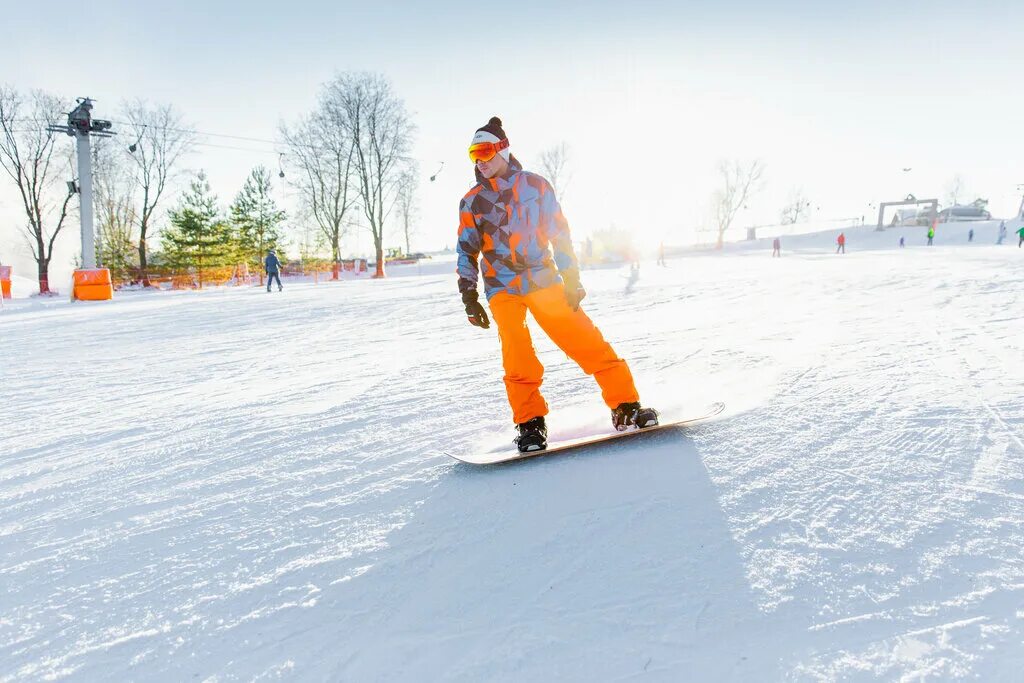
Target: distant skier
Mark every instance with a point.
(931, 235)
(970, 235)
(273, 267)
(902, 242)
(841, 243)
(1002, 232)
(1020, 233)
(634, 277)
(776, 248)
(512, 219)
(661, 254)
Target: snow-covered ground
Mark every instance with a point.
(866, 237)
(235, 485)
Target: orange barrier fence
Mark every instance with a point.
(237, 275)
(206, 277)
(356, 265)
(5, 282)
(192, 278)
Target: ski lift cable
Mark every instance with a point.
(244, 138)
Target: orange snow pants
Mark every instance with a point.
(572, 331)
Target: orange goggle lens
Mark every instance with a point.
(485, 151)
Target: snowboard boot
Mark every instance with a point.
(629, 415)
(533, 435)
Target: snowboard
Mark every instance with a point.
(494, 458)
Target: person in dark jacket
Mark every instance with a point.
(273, 267)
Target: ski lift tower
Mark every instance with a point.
(90, 282)
(80, 126)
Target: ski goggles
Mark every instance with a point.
(485, 151)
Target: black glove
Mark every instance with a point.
(477, 314)
(574, 292)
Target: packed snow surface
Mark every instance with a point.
(236, 485)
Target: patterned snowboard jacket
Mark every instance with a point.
(515, 223)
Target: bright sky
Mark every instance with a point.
(649, 95)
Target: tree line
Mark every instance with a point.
(350, 156)
(201, 236)
(347, 159)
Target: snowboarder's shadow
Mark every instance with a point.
(557, 550)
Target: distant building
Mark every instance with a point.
(971, 212)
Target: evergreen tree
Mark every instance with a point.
(257, 219)
(198, 237)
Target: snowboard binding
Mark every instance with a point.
(533, 435)
(632, 415)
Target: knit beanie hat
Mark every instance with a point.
(492, 132)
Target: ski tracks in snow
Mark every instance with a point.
(259, 495)
(881, 490)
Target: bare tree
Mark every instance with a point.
(956, 190)
(381, 133)
(406, 202)
(796, 210)
(321, 152)
(739, 183)
(115, 207)
(160, 140)
(28, 156)
(554, 162)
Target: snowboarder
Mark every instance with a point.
(776, 248)
(970, 235)
(931, 235)
(902, 243)
(273, 267)
(841, 242)
(512, 220)
(1002, 232)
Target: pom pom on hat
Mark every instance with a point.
(494, 128)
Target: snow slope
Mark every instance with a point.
(866, 237)
(235, 485)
